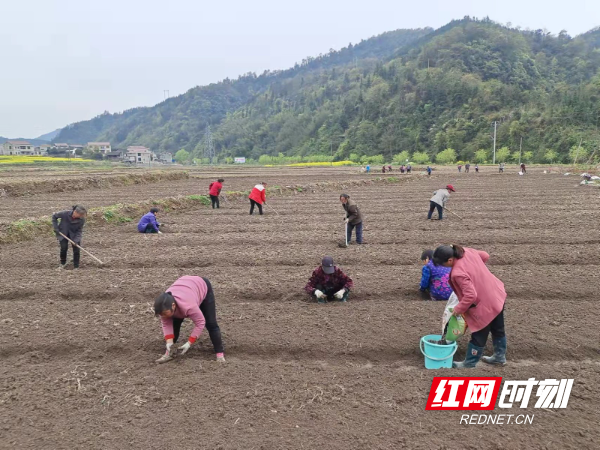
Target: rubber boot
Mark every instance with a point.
(499, 357)
(471, 359)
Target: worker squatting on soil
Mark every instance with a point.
(439, 200)
(435, 280)
(148, 222)
(258, 197)
(214, 190)
(71, 225)
(189, 297)
(328, 282)
(481, 301)
(353, 219)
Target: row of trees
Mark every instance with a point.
(447, 156)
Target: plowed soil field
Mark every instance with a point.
(78, 347)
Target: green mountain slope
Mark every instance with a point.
(409, 90)
(180, 122)
(443, 91)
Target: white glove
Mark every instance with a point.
(169, 354)
(185, 347)
(339, 294)
(347, 220)
(319, 294)
(160, 232)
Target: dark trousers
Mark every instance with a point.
(209, 311)
(64, 246)
(496, 327)
(150, 229)
(252, 204)
(432, 207)
(214, 199)
(359, 229)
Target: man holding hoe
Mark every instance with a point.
(69, 224)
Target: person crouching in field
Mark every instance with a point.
(189, 297)
(481, 301)
(214, 190)
(69, 223)
(435, 280)
(328, 282)
(148, 222)
(439, 200)
(258, 197)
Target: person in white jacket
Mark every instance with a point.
(438, 201)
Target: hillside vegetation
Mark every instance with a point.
(423, 94)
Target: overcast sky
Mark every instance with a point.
(63, 61)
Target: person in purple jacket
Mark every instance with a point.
(193, 298)
(435, 280)
(148, 222)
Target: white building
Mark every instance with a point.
(17, 148)
(102, 147)
(138, 154)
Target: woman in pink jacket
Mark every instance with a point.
(481, 301)
(189, 297)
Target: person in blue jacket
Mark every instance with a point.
(435, 280)
(368, 168)
(148, 222)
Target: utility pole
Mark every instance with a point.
(209, 148)
(577, 152)
(520, 150)
(166, 93)
(495, 126)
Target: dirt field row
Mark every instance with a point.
(79, 347)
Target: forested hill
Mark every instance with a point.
(406, 91)
(180, 122)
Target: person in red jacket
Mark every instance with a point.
(481, 301)
(214, 190)
(258, 197)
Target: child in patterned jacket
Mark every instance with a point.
(435, 280)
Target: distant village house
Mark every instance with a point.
(17, 148)
(102, 147)
(138, 154)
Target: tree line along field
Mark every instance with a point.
(78, 348)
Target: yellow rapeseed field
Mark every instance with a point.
(16, 159)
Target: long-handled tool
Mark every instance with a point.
(271, 207)
(452, 212)
(80, 247)
(345, 244)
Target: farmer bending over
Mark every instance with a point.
(189, 297)
(258, 197)
(148, 222)
(71, 225)
(481, 301)
(439, 200)
(328, 282)
(214, 190)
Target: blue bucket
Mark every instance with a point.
(437, 356)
